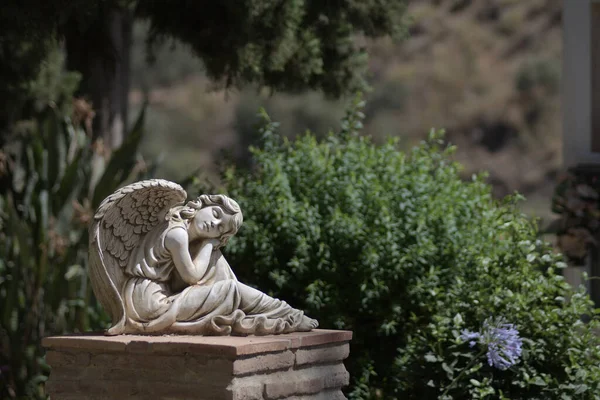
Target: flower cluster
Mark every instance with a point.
(504, 346)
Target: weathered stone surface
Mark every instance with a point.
(58, 358)
(305, 381)
(230, 346)
(325, 395)
(331, 336)
(322, 354)
(264, 362)
(299, 366)
(118, 389)
(250, 390)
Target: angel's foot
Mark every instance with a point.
(307, 324)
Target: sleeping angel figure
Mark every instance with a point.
(157, 268)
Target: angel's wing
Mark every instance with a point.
(120, 222)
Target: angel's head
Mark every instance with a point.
(210, 217)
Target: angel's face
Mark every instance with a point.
(211, 222)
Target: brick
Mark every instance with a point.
(161, 362)
(176, 391)
(96, 388)
(106, 388)
(57, 386)
(337, 379)
(335, 394)
(111, 389)
(135, 361)
(282, 388)
(58, 358)
(322, 336)
(180, 345)
(225, 346)
(198, 363)
(263, 362)
(246, 389)
(318, 355)
(142, 375)
(305, 381)
(85, 342)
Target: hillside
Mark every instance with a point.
(487, 71)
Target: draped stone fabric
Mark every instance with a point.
(218, 305)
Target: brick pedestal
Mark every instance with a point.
(299, 366)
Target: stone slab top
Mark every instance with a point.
(224, 346)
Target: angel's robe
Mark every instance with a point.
(217, 304)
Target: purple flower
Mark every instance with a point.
(468, 335)
(504, 346)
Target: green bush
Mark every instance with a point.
(399, 249)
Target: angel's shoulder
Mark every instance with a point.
(176, 236)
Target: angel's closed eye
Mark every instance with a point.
(217, 213)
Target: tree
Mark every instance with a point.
(28, 32)
(289, 45)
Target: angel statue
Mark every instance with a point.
(157, 268)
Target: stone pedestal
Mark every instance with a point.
(299, 366)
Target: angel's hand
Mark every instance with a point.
(214, 243)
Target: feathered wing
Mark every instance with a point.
(120, 223)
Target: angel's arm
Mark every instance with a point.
(223, 265)
(177, 242)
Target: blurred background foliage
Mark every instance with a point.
(486, 71)
(52, 176)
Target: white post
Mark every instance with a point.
(581, 108)
(577, 82)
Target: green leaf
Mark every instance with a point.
(69, 183)
(448, 369)
(55, 145)
(74, 271)
(581, 389)
(538, 381)
(458, 321)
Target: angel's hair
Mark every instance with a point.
(186, 212)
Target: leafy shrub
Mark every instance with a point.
(397, 248)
